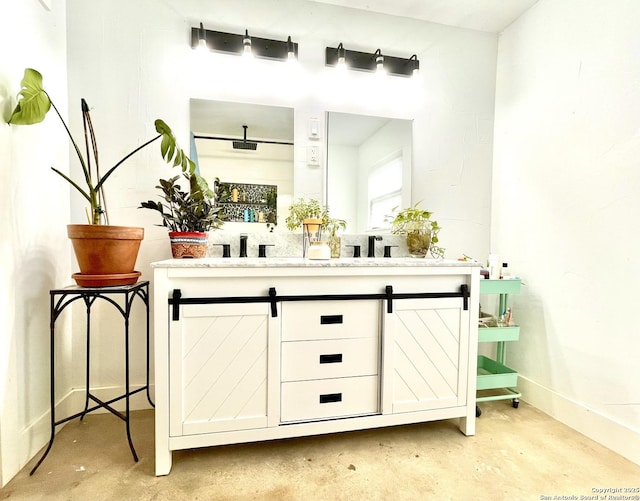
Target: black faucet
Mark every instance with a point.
(243, 244)
(356, 250)
(226, 249)
(262, 249)
(371, 251)
(387, 250)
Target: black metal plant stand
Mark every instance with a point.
(89, 295)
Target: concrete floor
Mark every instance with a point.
(517, 454)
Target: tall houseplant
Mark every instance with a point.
(33, 105)
(420, 230)
(188, 215)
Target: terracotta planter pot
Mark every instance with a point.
(188, 244)
(105, 250)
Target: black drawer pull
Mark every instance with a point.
(330, 319)
(330, 397)
(335, 358)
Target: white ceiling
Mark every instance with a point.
(483, 15)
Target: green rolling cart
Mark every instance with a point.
(494, 374)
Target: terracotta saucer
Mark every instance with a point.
(106, 280)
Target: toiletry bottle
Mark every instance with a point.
(494, 267)
(234, 194)
(504, 271)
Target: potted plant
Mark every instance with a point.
(305, 209)
(187, 214)
(420, 230)
(334, 226)
(102, 250)
(271, 197)
(309, 215)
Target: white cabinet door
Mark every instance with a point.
(219, 368)
(426, 355)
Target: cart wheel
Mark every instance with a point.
(478, 411)
(515, 403)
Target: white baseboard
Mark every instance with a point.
(614, 435)
(35, 436)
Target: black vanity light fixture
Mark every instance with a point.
(243, 44)
(373, 62)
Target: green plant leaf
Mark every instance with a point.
(170, 150)
(33, 103)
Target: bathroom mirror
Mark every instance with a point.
(368, 169)
(249, 148)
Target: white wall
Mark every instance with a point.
(34, 250)
(565, 207)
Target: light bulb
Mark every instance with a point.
(415, 66)
(246, 42)
(202, 39)
(342, 60)
(379, 62)
(291, 53)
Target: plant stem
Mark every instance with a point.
(104, 178)
(87, 175)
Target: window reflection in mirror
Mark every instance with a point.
(224, 152)
(368, 168)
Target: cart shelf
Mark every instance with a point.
(492, 374)
(507, 286)
(495, 334)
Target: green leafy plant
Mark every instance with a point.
(421, 231)
(334, 225)
(193, 210)
(33, 105)
(303, 209)
(271, 197)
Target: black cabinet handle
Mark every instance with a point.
(330, 397)
(330, 319)
(335, 358)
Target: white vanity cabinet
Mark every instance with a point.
(260, 349)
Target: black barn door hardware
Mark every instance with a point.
(177, 299)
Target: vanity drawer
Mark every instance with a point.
(303, 360)
(329, 398)
(308, 320)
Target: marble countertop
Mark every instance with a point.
(299, 262)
